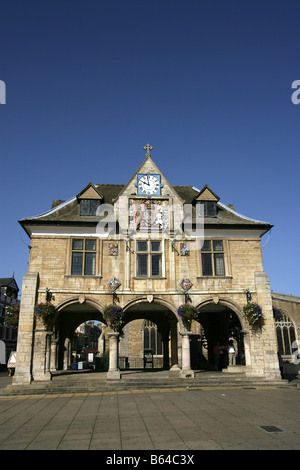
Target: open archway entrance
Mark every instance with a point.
(150, 339)
(221, 330)
(71, 344)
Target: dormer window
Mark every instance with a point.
(89, 206)
(89, 199)
(209, 208)
(207, 200)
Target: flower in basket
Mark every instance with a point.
(46, 311)
(12, 315)
(254, 315)
(187, 313)
(113, 314)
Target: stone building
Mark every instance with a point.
(149, 247)
(85, 341)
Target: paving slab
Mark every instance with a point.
(178, 419)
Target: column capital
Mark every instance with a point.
(113, 334)
(185, 333)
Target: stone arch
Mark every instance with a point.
(229, 304)
(80, 300)
(69, 314)
(286, 312)
(164, 314)
(153, 300)
(223, 322)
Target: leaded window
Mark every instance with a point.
(152, 338)
(209, 208)
(212, 256)
(83, 256)
(285, 331)
(89, 206)
(149, 258)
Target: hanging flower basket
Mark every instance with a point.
(113, 314)
(254, 315)
(187, 313)
(45, 311)
(12, 315)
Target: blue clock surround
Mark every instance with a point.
(141, 193)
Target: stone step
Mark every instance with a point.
(73, 384)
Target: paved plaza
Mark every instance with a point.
(181, 419)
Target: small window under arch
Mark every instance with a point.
(152, 338)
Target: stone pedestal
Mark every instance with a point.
(113, 371)
(186, 370)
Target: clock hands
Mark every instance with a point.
(149, 184)
(144, 182)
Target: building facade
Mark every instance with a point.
(149, 247)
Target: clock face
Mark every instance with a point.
(149, 184)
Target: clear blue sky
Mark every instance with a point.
(206, 83)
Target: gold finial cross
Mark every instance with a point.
(147, 148)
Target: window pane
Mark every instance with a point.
(206, 265)
(159, 343)
(90, 245)
(89, 206)
(94, 204)
(210, 208)
(206, 245)
(219, 265)
(152, 340)
(156, 262)
(142, 265)
(142, 246)
(146, 338)
(218, 245)
(77, 244)
(90, 262)
(279, 341)
(292, 334)
(155, 246)
(286, 340)
(77, 263)
(84, 207)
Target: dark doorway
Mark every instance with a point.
(220, 326)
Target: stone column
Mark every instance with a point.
(165, 341)
(67, 351)
(41, 351)
(53, 355)
(26, 329)
(263, 344)
(186, 370)
(113, 371)
(174, 348)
